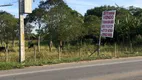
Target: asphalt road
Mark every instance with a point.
(115, 69)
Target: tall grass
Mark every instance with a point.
(69, 54)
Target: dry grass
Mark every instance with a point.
(107, 51)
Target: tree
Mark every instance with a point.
(97, 11)
(36, 17)
(8, 29)
(63, 24)
(28, 31)
(92, 24)
(8, 26)
(127, 28)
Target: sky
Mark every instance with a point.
(79, 5)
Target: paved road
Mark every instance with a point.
(116, 69)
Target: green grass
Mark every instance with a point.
(10, 65)
(69, 54)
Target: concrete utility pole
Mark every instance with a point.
(25, 6)
(21, 33)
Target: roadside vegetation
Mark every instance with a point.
(64, 35)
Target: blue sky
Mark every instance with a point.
(80, 5)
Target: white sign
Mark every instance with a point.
(28, 6)
(108, 21)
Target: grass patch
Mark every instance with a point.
(69, 54)
(10, 65)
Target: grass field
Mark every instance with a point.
(69, 54)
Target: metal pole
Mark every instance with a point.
(21, 33)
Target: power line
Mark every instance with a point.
(10, 4)
(6, 5)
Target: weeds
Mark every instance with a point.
(69, 54)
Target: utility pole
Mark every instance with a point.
(21, 33)
(25, 6)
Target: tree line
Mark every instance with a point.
(58, 24)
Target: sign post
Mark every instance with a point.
(107, 26)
